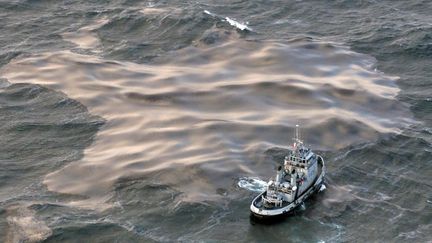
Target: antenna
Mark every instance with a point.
(297, 132)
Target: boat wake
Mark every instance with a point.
(252, 184)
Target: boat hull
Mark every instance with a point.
(263, 213)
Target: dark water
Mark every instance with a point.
(128, 121)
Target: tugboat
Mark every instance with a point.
(301, 175)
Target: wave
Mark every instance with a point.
(85, 37)
(238, 25)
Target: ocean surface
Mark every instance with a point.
(159, 121)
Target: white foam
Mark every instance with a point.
(209, 13)
(252, 184)
(237, 24)
(25, 227)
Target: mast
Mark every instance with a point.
(297, 135)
